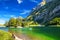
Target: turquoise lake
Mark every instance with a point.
(43, 33)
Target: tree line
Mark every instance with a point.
(21, 22)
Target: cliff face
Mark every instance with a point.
(43, 14)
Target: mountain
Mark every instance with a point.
(49, 10)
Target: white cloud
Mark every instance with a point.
(9, 16)
(25, 11)
(5, 18)
(19, 1)
(34, 1)
(12, 15)
(2, 21)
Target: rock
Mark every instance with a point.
(46, 12)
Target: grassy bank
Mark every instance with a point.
(5, 35)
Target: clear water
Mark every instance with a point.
(4, 28)
(49, 33)
(43, 33)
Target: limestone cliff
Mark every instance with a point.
(44, 14)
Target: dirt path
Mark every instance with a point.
(21, 37)
(16, 38)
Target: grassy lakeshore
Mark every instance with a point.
(5, 35)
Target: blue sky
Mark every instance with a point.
(16, 8)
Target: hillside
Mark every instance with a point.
(46, 13)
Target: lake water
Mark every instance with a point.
(44, 33)
(50, 33)
(4, 28)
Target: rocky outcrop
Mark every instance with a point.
(43, 14)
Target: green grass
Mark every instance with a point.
(5, 35)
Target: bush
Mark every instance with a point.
(5, 35)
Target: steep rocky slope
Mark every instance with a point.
(44, 14)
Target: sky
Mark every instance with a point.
(16, 8)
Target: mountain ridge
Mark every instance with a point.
(46, 13)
